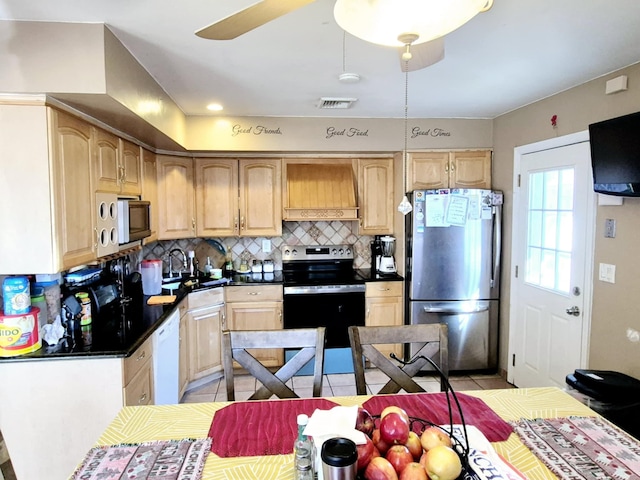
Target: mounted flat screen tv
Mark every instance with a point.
(615, 155)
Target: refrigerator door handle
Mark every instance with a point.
(497, 239)
(455, 310)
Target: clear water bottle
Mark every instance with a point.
(304, 452)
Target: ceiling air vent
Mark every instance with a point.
(332, 102)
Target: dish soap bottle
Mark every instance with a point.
(208, 267)
(228, 266)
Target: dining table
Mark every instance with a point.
(138, 424)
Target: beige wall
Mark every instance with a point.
(614, 309)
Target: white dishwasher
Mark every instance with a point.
(166, 355)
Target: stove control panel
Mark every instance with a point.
(317, 252)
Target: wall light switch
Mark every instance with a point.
(266, 245)
(609, 228)
(607, 273)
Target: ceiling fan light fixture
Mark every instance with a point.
(382, 21)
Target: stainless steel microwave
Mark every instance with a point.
(134, 220)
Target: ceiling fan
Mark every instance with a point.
(421, 55)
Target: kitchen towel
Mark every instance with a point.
(433, 408)
(581, 448)
(245, 429)
(162, 460)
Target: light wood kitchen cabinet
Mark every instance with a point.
(375, 196)
(238, 197)
(138, 376)
(383, 304)
(455, 169)
(176, 212)
(150, 190)
(73, 181)
(204, 329)
(256, 307)
(117, 165)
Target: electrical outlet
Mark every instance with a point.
(266, 245)
(609, 228)
(607, 273)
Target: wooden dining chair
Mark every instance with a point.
(363, 346)
(236, 345)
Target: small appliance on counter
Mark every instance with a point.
(387, 263)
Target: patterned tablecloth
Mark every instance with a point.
(166, 422)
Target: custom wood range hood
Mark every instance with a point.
(320, 191)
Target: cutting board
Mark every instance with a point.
(161, 299)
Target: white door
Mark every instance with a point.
(552, 264)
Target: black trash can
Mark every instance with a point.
(613, 395)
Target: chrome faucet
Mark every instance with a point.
(170, 260)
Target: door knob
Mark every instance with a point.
(575, 311)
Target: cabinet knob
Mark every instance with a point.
(141, 356)
(241, 223)
(142, 399)
(453, 166)
(193, 224)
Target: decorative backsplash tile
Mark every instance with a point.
(250, 248)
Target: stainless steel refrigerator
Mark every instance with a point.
(453, 268)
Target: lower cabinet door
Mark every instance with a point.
(139, 391)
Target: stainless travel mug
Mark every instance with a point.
(339, 459)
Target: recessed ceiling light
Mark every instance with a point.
(215, 107)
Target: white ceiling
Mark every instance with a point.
(518, 52)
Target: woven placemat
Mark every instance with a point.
(161, 460)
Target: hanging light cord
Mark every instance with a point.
(406, 126)
(344, 51)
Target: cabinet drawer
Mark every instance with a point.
(134, 363)
(139, 391)
(257, 293)
(383, 289)
(206, 298)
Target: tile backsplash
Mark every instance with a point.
(250, 248)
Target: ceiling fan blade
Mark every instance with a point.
(251, 17)
(423, 55)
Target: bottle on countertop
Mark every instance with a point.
(304, 451)
(193, 264)
(228, 267)
(208, 267)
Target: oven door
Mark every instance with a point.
(335, 307)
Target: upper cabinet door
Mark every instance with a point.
(375, 196)
(72, 160)
(130, 169)
(175, 198)
(106, 165)
(217, 211)
(260, 197)
(428, 170)
(470, 169)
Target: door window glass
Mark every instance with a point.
(550, 227)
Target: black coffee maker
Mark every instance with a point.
(71, 313)
(376, 253)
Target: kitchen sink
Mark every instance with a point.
(171, 286)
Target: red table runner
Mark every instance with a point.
(433, 407)
(245, 429)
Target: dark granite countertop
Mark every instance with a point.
(142, 320)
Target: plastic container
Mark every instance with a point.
(19, 333)
(151, 271)
(43, 317)
(613, 395)
(17, 295)
(51, 292)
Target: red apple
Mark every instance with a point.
(394, 409)
(442, 463)
(380, 444)
(399, 456)
(364, 421)
(414, 445)
(379, 468)
(434, 436)
(394, 429)
(414, 471)
(365, 454)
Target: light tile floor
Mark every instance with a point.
(337, 385)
